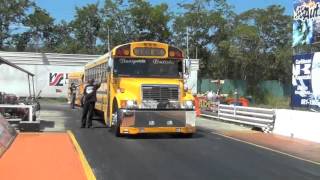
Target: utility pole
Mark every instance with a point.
(187, 42)
(108, 38)
(196, 52)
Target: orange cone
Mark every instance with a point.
(197, 106)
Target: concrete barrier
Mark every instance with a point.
(298, 124)
(7, 135)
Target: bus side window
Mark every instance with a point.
(100, 73)
(85, 75)
(104, 72)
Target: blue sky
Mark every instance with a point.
(65, 9)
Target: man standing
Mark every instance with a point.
(73, 90)
(90, 92)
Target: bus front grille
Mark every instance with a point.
(160, 93)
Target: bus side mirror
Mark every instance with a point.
(186, 67)
(110, 64)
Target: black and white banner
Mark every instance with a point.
(306, 80)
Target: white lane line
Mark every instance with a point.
(263, 147)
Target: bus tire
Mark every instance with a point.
(115, 128)
(117, 124)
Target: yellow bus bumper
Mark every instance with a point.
(157, 121)
(153, 130)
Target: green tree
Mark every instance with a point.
(208, 24)
(41, 27)
(61, 40)
(261, 46)
(20, 41)
(150, 22)
(12, 14)
(134, 20)
(86, 26)
(116, 20)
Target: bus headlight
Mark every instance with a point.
(131, 104)
(188, 104)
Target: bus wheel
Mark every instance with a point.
(116, 123)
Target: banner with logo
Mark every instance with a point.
(306, 80)
(306, 22)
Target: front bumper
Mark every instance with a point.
(157, 121)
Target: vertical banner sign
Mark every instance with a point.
(306, 80)
(306, 22)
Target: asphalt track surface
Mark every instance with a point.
(206, 156)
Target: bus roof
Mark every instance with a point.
(98, 61)
(76, 74)
(104, 58)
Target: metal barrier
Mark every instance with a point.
(31, 124)
(256, 117)
(18, 106)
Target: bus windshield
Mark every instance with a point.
(148, 67)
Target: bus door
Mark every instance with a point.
(106, 99)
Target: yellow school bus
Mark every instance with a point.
(78, 79)
(142, 89)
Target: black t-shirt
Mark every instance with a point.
(90, 93)
(73, 89)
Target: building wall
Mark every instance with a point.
(50, 69)
(50, 80)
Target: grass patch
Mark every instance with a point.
(270, 101)
(53, 100)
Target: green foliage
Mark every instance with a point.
(134, 20)
(41, 26)
(208, 23)
(261, 46)
(270, 101)
(86, 26)
(150, 22)
(12, 14)
(253, 46)
(116, 20)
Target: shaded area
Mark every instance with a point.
(46, 124)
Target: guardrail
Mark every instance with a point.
(256, 117)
